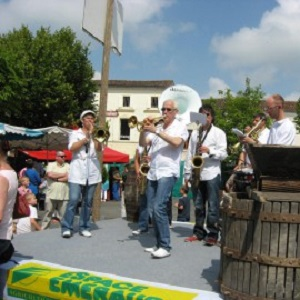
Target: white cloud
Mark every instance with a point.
(148, 37)
(97, 75)
(36, 13)
(294, 96)
(186, 27)
(215, 85)
(267, 52)
(137, 11)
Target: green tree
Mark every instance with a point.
(236, 112)
(45, 79)
(297, 118)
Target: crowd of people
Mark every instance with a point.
(157, 166)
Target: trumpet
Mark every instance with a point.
(133, 122)
(253, 133)
(101, 134)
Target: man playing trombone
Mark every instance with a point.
(166, 142)
(210, 143)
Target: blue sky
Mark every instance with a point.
(209, 45)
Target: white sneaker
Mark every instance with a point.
(138, 232)
(66, 234)
(161, 253)
(85, 233)
(150, 250)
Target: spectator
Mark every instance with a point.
(8, 194)
(29, 224)
(183, 205)
(58, 190)
(34, 177)
(24, 186)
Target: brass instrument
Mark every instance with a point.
(101, 134)
(197, 162)
(253, 134)
(144, 165)
(133, 122)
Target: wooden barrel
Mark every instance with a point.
(131, 197)
(260, 246)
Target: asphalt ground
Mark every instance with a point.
(113, 250)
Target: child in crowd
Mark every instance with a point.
(24, 186)
(30, 223)
(183, 205)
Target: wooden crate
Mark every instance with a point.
(276, 167)
(260, 246)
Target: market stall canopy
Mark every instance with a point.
(12, 133)
(109, 155)
(54, 138)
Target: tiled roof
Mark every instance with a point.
(139, 84)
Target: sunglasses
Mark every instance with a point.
(61, 156)
(168, 109)
(205, 113)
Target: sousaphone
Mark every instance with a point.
(188, 100)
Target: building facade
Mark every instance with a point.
(126, 99)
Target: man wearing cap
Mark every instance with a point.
(58, 190)
(84, 175)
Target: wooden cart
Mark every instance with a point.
(260, 257)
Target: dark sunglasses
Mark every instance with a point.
(61, 156)
(205, 113)
(167, 109)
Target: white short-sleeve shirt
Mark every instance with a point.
(165, 159)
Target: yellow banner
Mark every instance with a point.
(40, 282)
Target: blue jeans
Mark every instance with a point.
(158, 193)
(116, 191)
(207, 192)
(144, 213)
(77, 191)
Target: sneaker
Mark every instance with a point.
(192, 238)
(150, 250)
(210, 241)
(85, 233)
(66, 234)
(170, 226)
(161, 253)
(138, 232)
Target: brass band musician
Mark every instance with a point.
(258, 134)
(211, 144)
(166, 142)
(145, 215)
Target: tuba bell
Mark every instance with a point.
(188, 100)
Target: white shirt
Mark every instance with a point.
(165, 158)
(85, 164)
(24, 224)
(262, 139)
(282, 132)
(6, 223)
(216, 141)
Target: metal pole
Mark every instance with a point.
(103, 98)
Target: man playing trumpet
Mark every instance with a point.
(166, 143)
(84, 175)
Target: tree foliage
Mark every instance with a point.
(297, 118)
(236, 112)
(45, 80)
